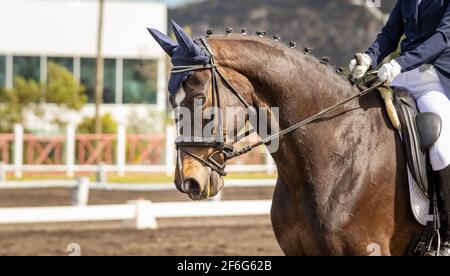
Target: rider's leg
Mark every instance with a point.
(438, 102)
(425, 86)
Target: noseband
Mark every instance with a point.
(221, 149)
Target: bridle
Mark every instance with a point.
(225, 151)
(222, 150)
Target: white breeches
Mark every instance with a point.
(426, 88)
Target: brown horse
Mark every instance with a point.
(342, 183)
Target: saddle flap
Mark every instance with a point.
(416, 156)
(429, 127)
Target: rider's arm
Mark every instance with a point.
(430, 49)
(387, 41)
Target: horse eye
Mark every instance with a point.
(199, 96)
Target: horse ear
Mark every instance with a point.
(166, 43)
(184, 40)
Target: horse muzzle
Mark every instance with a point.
(201, 191)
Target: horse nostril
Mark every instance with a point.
(191, 186)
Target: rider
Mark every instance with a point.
(423, 67)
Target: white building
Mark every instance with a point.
(34, 32)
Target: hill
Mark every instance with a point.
(334, 28)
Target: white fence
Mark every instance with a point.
(136, 214)
(139, 214)
(143, 187)
(81, 187)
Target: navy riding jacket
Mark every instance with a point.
(427, 31)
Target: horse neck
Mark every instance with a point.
(332, 169)
(278, 75)
(301, 87)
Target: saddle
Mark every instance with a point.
(419, 132)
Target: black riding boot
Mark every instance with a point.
(444, 177)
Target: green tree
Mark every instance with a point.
(9, 111)
(14, 101)
(61, 89)
(109, 125)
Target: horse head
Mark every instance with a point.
(206, 130)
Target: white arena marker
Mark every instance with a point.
(80, 194)
(145, 216)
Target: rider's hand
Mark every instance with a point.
(389, 71)
(358, 71)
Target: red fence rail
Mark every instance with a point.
(145, 149)
(90, 149)
(93, 149)
(6, 141)
(44, 149)
(121, 150)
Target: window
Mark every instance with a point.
(139, 81)
(87, 77)
(66, 62)
(2, 71)
(27, 67)
(109, 82)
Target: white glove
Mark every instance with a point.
(389, 71)
(358, 71)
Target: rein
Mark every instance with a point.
(225, 150)
(303, 123)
